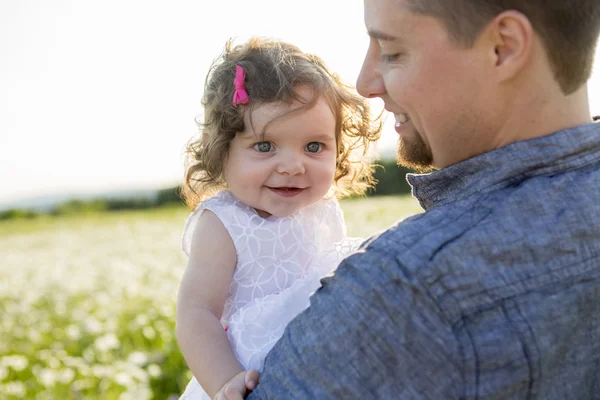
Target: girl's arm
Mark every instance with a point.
(202, 294)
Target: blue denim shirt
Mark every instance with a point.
(492, 293)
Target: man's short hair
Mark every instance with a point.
(569, 29)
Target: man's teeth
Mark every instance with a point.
(401, 119)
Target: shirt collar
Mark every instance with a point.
(561, 151)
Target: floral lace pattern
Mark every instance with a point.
(280, 262)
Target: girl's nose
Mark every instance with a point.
(290, 164)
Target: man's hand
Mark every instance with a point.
(239, 386)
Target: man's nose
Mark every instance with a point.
(370, 82)
(290, 164)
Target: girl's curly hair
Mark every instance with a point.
(274, 69)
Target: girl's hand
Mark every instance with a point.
(239, 386)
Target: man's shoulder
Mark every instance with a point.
(432, 234)
(473, 252)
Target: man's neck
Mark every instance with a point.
(543, 114)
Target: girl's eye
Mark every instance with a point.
(314, 147)
(263, 147)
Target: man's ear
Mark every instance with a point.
(510, 36)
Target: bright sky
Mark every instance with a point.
(99, 95)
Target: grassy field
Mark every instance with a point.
(88, 301)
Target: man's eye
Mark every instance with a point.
(314, 147)
(263, 147)
(389, 58)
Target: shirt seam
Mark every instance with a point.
(530, 283)
(482, 191)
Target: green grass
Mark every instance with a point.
(88, 301)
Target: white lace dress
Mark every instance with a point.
(279, 265)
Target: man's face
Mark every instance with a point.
(431, 85)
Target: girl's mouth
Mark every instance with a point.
(285, 191)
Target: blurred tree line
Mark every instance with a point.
(391, 180)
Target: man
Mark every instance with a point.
(494, 291)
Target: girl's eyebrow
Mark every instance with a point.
(309, 137)
(322, 137)
(247, 135)
(318, 136)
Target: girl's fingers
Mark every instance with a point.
(252, 377)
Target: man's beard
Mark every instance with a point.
(413, 153)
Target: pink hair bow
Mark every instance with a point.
(240, 96)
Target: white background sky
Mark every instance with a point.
(99, 95)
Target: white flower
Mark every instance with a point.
(66, 376)
(103, 299)
(47, 377)
(89, 355)
(102, 371)
(107, 342)
(16, 362)
(123, 379)
(92, 325)
(139, 393)
(149, 332)
(73, 332)
(154, 370)
(138, 358)
(54, 363)
(141, 320)
(16, 389)
(34, 336)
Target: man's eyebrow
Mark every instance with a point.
(378, 35)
